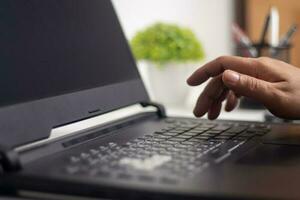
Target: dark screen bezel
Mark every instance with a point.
(32, 121)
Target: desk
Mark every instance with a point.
(238, 114)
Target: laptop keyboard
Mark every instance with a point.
(181, 149)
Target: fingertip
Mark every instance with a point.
(197, 114)
(192, 81)
(197, 78)
(214, 111)
(231, 103)
(189, 82)
(228, 109)
(212, 117)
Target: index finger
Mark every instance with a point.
(219, 65)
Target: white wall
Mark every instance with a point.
(209, 19)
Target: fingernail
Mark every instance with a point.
(232, 77)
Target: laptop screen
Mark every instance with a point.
(54, 47)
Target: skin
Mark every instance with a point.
(274, 83)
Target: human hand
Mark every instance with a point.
(274, 83)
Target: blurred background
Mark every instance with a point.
(172, 38)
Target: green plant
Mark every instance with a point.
(161, 43)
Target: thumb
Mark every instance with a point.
(247, 86)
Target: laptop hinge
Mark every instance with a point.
(161, 111)
(9, 160)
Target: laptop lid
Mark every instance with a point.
(61, 61)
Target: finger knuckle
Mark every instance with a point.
(266, 63)
(263, 61)
(259, 66)
(221, 59)
(277, 100)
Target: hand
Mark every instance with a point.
(274, 83)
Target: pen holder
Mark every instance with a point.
(279, 53)
(265, 50)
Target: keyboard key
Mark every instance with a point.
(202, 137)
(166, 129)
(177, 139)
(170, 142)
(221, 128)
(208, 142)
(223, 137)
(247, 134)
(199, 131)
(175, 131)
(175, 150)
(162, 136)
(181, 146)
(215, 140)
(237, 129)
(182, 129)
(195, 140)
(170, 134)
(227, 134)
(158, 139)
(207, 134)
(183, 136)
(213, 132)
(191, 133)
(189, 143)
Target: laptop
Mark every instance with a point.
(64, 61)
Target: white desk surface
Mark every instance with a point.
(238, 114)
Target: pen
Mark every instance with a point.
(244, 40)
(265, 28)
(285, 39)
(274, 27)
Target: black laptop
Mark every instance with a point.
(63, 61)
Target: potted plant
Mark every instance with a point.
(169, 51)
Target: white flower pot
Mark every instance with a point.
(167, 83)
